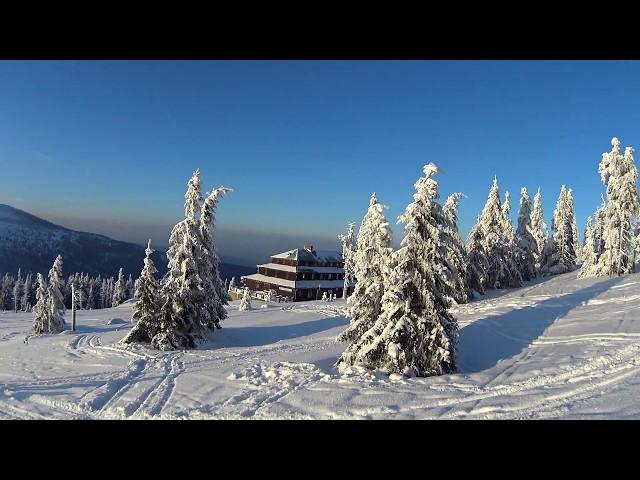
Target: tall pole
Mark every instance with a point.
(73, 306)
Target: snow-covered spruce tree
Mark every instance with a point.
(119, 290)
(415, 334)
(498, 244)
(348, 252)
(562, 256)
(17, 292)
(146, 310)
(512, 252)
(181, 318)
(245, 301)
(540, 234)
(56, 286)
(128, 288)
(453, 250)
(577, 248)
(27, 301)
(6, 292)
(41, 310)
(216, 295)
(91, 298)
(589, 253)
(477, 263)
(619, 175)
(232, 283)
(525, 238)
(370, 264)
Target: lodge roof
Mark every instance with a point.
(306, 255)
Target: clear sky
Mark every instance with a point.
(108, 146)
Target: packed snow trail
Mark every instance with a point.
(557, 348)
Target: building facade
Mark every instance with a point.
(301, 274)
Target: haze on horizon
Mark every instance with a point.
(108, 146)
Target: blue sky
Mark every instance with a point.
(108, 146)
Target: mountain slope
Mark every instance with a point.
(31, 243)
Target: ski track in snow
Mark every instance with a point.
(560, 348)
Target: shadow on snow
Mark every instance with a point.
(486, 341)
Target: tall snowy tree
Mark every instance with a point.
(119, 290)
(17, 292)
(91, 298)
(232, 283)
(216, 295)
(589, 252)
(525, 238)
(55, 289)
(415, 334)
(27, 300)
(128, 288)
(512, 250)
(370, 264)
(540, 234)
(619, 175)
(499, 242)
(453, 251)
(477, 262)
(348, 252)
(49, 308)
(183, 284)
(147, 309)
(563, 257)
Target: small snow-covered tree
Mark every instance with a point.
(232, 283)
(348, 252)
(49, 309)
(147, 309)
(370, 264)
(525, 238)
(17, 292)
(27, 295)
(540, 234)
(91, 298)
(415, 334)
(41, 310)
(119, 290)
(56, 286)
(245, 302)
(589, 253)
(512, 250)
(562, 256)
(128, 288)
(477, 263)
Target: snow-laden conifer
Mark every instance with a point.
(348, 253)
(525, 238)
(119, 290)
(562, 256)
(453, 250)
(27, 294)
(56, 285)
(245, 302)
(540, 234)
(216, 295)
(619, 217)
(415, 334)
(183, 286)
(477, 263)
(41, 310)
(370, 264)
(589, 252)
(17, 292)
(147, 309)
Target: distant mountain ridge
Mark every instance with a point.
(32, 244)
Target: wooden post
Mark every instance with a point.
(73, 307)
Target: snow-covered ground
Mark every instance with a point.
(561, 348)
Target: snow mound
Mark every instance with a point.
(282, 373)
(116, 321)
